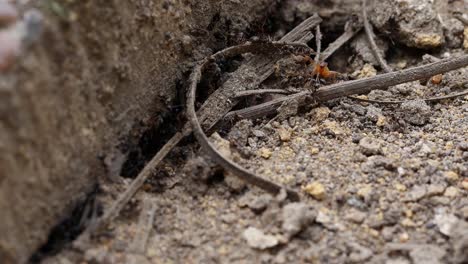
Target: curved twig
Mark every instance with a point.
(370, 38)
(237, 170)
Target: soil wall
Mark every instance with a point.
(101, 74)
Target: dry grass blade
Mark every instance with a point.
(351, 29)
(318, 44)
(431, 99)
(261, 91)
(370, 38)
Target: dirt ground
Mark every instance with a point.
(379, 183)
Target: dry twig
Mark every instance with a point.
(370, 38)
(237, 170)
(360, 86)
(430, 99)
(351, 28)
(318, 44)
(145, 224)
(222, 100)
(261, 91)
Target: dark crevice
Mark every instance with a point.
(70, 228)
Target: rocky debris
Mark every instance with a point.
(259, 203)
(445, 222)
(222, 145)
(453, 32)
(315, 189)
(419, 253)
(460, 242)
(451, 192)
(319, 114)
(464, 184)
(257, 239)
(284, 134)
(373, 113)
(355, 216)
(411, 22)
(363, 52)
(233, 182)
(332, 128)
(366, 71)
(359, 253)
(370, 146)
(416, 112)
(295, 217)
(265, 153)
(329, 220)
(419, 192)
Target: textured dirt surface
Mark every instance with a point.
(378, 183)
(80, 97)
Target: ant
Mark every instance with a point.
(319, 70)
(301, 70)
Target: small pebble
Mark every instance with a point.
(284, 134)
(464, 184)
(445, 222)
(370, 146)
(257, 239)
(315, 189)
(355, 216)
(295, 217)
(260, 203)
(451, 176)
(265, 153)
(451, 192)
(319, 114)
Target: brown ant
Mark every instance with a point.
(319, 70)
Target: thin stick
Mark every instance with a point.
(261, 91)
(351, 29)
(123, 199)
(145, 224)
(430, 99)
(318, 43)
(295, 37)
(237, 170)
(370, 38)
(361, 86)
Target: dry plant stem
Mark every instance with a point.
(361, 86)
(351, 29)
(249, 76)
(123, 199)
(237, 170)
(214, 108)
(370, 38)
(431, 99)
(261, 91)
(318, 43)
(145, 224)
